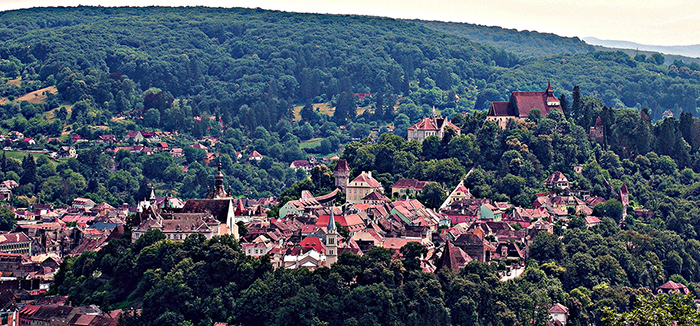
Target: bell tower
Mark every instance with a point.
(331, 241)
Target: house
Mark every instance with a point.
(557, 180)
(430, 127)
(301, 164)
(459, 193)
(134, 136)
(307, 203)
(162, 147)
(15, 243)
(521, 104)
(591, 221)
(375, 198)
(453, 258)
(255, 156)
(559, 313)
(66, 152)
(362, 186)
(176, 152)
(106, 139)
(312, 260)
(83, 203)
(405, 187)
(672, 287)
(6, 189)
(490, 212)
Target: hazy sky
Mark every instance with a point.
(656, 22)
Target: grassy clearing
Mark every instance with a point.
(324, 108)
(311, 143)
(38, 96)
(19, 155)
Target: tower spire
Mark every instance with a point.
(331, 241)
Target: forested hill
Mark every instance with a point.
(523, 43)
(249, 66)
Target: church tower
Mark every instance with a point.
(342, 175)
(218, 191)
(331, 241)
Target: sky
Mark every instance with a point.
(653, 22)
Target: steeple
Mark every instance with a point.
(219, 191)
(549, 88)
(331, 222)
(331, 241)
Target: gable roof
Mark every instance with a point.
(558, 308)
(217, 207)
(342, 166)
(367, 178)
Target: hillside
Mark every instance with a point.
(692, 51)
(523, 43)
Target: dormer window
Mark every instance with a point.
(553, 103)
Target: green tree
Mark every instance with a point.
(662, 309)
(432, 195)
(7, 219)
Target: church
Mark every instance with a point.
(521, 104)
(212, 216)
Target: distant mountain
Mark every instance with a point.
(684, 50)
(526, 44)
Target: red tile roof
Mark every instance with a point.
(367, 178)
(342, 166)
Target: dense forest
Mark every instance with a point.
(593, 271)
(525, 44)
(237, 74)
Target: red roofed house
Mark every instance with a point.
(362, 186)
(557, 180)
(313, 243)
(520, 105)
(15, 243)
(672, 287)
(404, 187)
(430, 127)
(559, 313)
(301, 164)
(255, 156)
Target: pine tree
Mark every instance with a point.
(576, 104)
(29, 168)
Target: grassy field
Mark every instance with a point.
(311, 143)
(20, 154)
(37, 96)
(323, 108)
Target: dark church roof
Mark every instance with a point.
(217, 207)
(521, 103)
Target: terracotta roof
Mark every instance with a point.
(425, 124)
(314, 243)
(671, 286)
(367, 178)
(375, 195)
(13, 238)
(255, 154)
(558, 308)
(342, 166)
